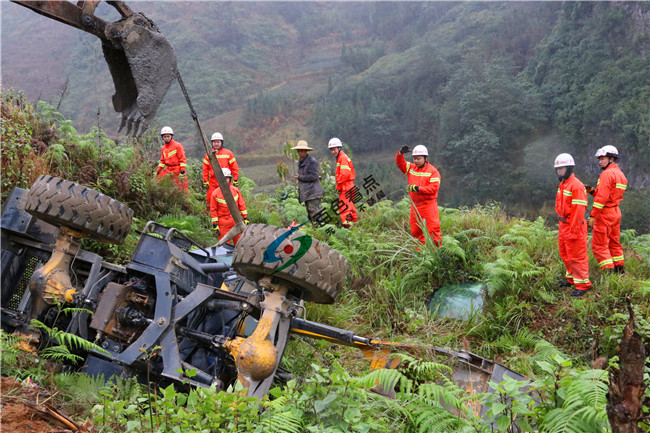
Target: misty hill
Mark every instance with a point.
(495, 90)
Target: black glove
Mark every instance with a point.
(404, 149)
(590, 190)
(235, 182)
(246, 221)
(215, 228)
(206, 185)
(182, 176)
(590, 223)
(413, 188)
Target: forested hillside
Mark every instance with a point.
(495, 90)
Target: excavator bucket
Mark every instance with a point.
(141, 61)
(143, 66)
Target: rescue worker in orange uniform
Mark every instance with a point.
(424, 182)
(344, 182)
(605, 214)
(222, 221)
(172, 159)
(571, 205)
(226, 160)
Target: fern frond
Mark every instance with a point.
(515, 239)
(424, 370)
(586, 393)
(384, 379)
(436, 394)
(283, 422)
(67, 339)
(481, 240)
(566, 421)
(60, 354)
(437, 419)
(451, 247)
(469, 234)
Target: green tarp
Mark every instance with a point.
(457, 301)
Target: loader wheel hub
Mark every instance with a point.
(257, 360)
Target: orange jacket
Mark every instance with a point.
(219, 208)
(571, 205)
(172, 157)
(226, 160)
(611, 186)
(344, 172)
(427, 178)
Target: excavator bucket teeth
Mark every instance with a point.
(143, 66)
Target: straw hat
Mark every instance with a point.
(302, 145)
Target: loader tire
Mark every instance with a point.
(317, 276)
(64, 203)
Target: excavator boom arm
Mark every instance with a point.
(70, 14)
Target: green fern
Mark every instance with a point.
(385, 379)
(60, 354)
(583, 408)
(283, 422)
(67, 339)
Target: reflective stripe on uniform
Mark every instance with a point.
(434, 179)
(221, 200)
(567, 193)
(598, 205)
(621, 186)
(581, 281)
(618, 258)
(173, 152)
(423, 174)
(606, 262)
(582, 202)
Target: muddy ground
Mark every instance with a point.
(25, 408)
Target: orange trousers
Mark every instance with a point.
(605, 241)
(210, 191)
(174, 172)
(574, 255)
(349, 215)
(427, 213)
(225, 224)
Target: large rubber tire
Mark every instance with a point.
(64, 203)
(315, 277)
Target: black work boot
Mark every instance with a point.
(578, 292)
(565, 283)
(619, 269)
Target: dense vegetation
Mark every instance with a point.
(496, 90)
(565, 345)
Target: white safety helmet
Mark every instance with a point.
(226, 172)
(420, 150)
(217, 136)
(166, 130)
(564, 160)
(334, 142)
(608, 150)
